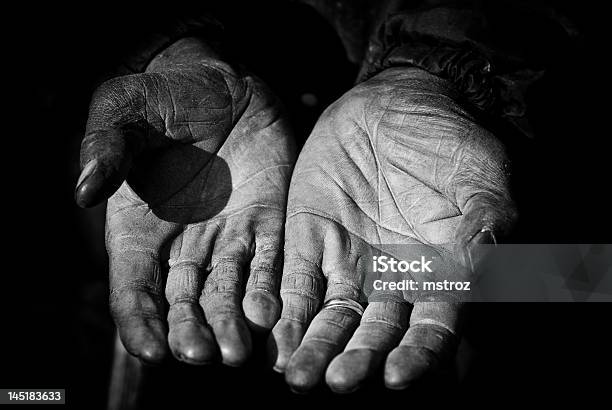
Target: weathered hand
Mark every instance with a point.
(396, 160)
(206, 156)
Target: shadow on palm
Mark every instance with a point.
(182, 183)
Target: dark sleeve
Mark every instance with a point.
(491, 51)
(141, 50)
(351, 19)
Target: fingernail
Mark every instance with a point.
(87, 171)
(81, 194)
(475, 251)
(485, 236)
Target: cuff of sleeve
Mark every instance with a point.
(148, 46)
(491, 71)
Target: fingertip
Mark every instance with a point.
(148, 347)
(338, 380)
(262, 310)
(192, 343)
(306, 368)
(300, 381)
(197, 355)
(348, 371)
(234, 340)
(406, 365)
(107, 162)
(153, 353)
(273, 360)
(283, 341)
(234, 356)
(96, 187)
(145, 339)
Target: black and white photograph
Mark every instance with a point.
(332, 204)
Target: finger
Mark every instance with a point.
(380, 330)
(302, 288)
(136, 302)
(429, 343)
(261, 305)
(114, 134)
(326, 336)
(134, 241)
(331, 329)
(223, 294)
(190, 339)
(221, 303)
(301, 295)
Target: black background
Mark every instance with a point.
(56, 331)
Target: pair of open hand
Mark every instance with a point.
(198, 163)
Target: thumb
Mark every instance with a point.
(115, 131)
(486, 218)
(483, 196)
(105, 162)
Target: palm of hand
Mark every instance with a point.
(394, 161)
(213, 157)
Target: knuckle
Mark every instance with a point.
(225, 278)
(264, 277)
(267, 253)
(232, 248)
(183, 283)
(343, 289)
(302, 282)
(221, 305)
(118, 101)
(135, 296)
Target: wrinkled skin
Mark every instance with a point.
(195, 157)
(396, 160)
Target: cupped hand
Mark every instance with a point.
(195, 156)
(396, 160)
